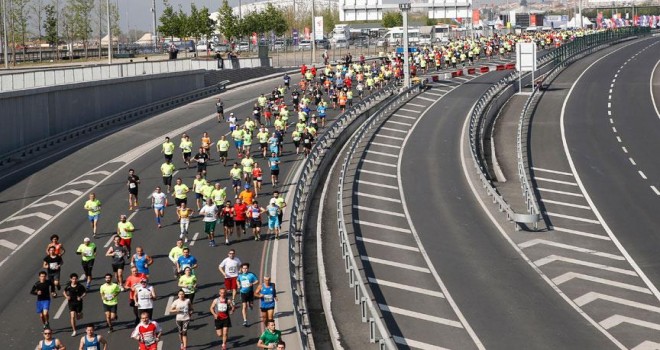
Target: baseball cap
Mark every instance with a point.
(247, 185)
(143, 280)
(87, 239)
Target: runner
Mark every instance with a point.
(254, 212)
(186, 149)
(147, 333)
(186, 260)
(270, 337)
(223, 149)
(158, 203)
(167, 171)
(232, 122)
(247, 164)
(219, 195)
(119, 253)
(184, 310)
(141, 261)
(50, 343)
(263, 136)
(257, 178)
(132, 281)
(238, 135)
(198, 186)
(236, 174)
(184, 213)
(109, 293)
(55, 242)
(210, 213)
(220, 110)
(281, 203)
(91, 340)
(222, 308)
(174, 255)
(168, 149)
(132, 183)
(274, 162)
(87, 250)
(202, 157)
(240, 216)
(229, 268)
(206, 143)
(52, 263)
(93, 207)
(247, 195)
(42, 290)
(246, 282)
(180, 192)
(188, 283)
(144, 298)
(307, 140)
(273, 219)
(227, 215)
(296, 136)
(74, 293)
(125, 230)
(268, 296)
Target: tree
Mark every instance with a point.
(50, 25)
(168, 21)
(274, 20)
(20, 17)
(392, 19)
(330, 18)
(228, 23)
(38, 10)
(79, 13)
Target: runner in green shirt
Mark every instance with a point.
(270, 337)
(109, 292)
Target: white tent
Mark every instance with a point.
(572, 23)
(104, 41)
(147, 38)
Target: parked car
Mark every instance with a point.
(279, 45)
(381, 42)
(341, 44)
(323, 44)
(221, 48)
(305, 45)
(202, 46)
(243, 46)
(362, 41)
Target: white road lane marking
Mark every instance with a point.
(616, 320)
(625, 150)
(566, 204)
(194, 239)
(571, 217)
(37, 214)
(43, 204)
(21, 228)
(533, 242)
(385, 227)
(419, 315)
(9, 245)
(403, 116)
(618, 138)
(541, 189)
(382, 154)
(107, 244)
(593, 296)
(73, 192)
(376, 184)
(555, 181)
(632, 161)
(409, 110)
(552, 258)
(387, 244)
(389, 137)
(415, 105)
(392, 129)
(384, 145)
(170, 300)
(379, 163)
(416, 344)
(387, 199)
(552, 171)
(572, 275)
(399, 123)
(99, 172)
(614, 129)
(655, 189)
(394, 264)
(60, 310)
(380, 211)
(83, 182)
(579, 233)
(641, 173)
(611, 121)
(406, 287)
(434, 93)
(377, 173)
(426, 98)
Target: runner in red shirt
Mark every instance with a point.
(147, 333)
(131, 281)
(239, 217)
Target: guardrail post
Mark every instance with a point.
(372, 330)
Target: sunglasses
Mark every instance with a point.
(48, 333)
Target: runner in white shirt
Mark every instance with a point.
(184, 309)
(144, 297)
(158, 202)
(147, 333)
(229, 269)
(210, 213)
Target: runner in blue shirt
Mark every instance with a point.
(274, 164)
(186, 260)
(246, 282)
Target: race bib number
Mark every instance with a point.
(268, 298)
(89, 252)
(149, 339)
(231, 269)
(53, 266)
(131, 185)
(109, 296)
(93, 347)
(201, 160)
(306, 140)
(179, 192)
(222, 307)
(245, 284)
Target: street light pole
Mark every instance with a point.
(5, 47)
(406, 66)
(313, 33)
(107, 5)
(153, 13)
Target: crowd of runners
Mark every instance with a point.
(283, 121)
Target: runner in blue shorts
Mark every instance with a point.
(273, 219)
(42, 290)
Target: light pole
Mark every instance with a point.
(406, 67)
(313, 33)
(107, 13)
(153, 13)
(5, 47)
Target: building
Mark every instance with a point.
(372, 10)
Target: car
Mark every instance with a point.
(362, 41)
(202, 46)
(221, 48)
(322, 44)
(279, 45)
(243, 46)
(341, 44)
(381, 42)
(304, 45)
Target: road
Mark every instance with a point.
(595, 170)
(50, 201)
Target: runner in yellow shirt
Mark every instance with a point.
(167, 170)
(93, 207)
(168, 149)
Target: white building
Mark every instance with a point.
(362, 10)
(246, 6)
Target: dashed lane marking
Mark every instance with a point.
(376, 184)
(580, 233)
(380, 211)
(386, 227)
(388, 199)
(394, 264)
(566, 204)
(406, 287)
(419, 315)
(541, 189)
(571, 217)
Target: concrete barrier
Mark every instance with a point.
(510, 66)
(484, 69)
(500, 67)
(471, 70)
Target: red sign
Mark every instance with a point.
(532, 20)
(475, 17)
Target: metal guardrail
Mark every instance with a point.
(569, 54)
(377, 330)
(312, 170)
(28, 151)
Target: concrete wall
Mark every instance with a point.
(28, 116)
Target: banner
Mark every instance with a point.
(475, 17)
(318, 28)
(308, 33)
(294, 35)
(532, 20)
(599, 20)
